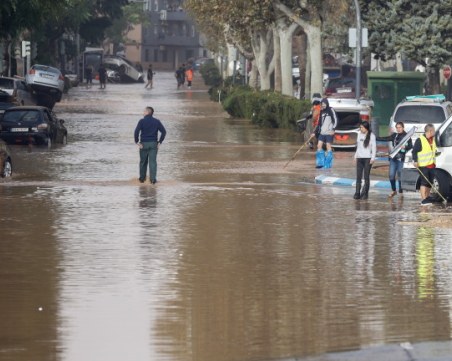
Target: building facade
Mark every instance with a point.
(169, 40)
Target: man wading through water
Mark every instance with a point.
(146, 133)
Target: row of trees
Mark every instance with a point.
(49, 23)
(263, 29)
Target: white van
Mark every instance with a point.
(443, 171)
(420, 110)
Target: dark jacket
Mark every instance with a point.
(395, 139)
(147, 130)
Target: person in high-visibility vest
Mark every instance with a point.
(424, 153)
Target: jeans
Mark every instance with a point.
(363, 167)
(395, 168)
(148, 154)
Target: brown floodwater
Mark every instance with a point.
(227, 258)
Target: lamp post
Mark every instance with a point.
(358, 50)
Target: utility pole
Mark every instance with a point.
(358, 50)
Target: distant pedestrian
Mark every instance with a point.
(189, 77)
(325, 133)
(366, 150)
(396, 163)
(102, 76)
(424, 153)
(150, 76)
(146, 137)
(89, 75)
(180, 78)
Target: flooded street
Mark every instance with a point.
(228, 258)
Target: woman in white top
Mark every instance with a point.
(366, 149)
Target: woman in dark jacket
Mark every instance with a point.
(396, 163)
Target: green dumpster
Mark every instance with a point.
(388, 88)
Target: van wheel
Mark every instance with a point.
(441, 183)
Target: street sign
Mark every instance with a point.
(446, 72)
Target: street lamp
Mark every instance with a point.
(358, 50)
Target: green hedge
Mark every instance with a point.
(267, 109)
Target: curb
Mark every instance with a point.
(336, 181)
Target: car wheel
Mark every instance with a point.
(58, 97)
(441, 184)
(7, 169)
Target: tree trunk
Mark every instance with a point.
(277, 52)
(315, 54)
(260, 43)
(286, 34)
(434, 86)
(253, 82)
(301, 46)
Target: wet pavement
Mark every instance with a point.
(229, 257)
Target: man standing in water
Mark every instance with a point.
(146, 133)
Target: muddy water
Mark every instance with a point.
(228, 257)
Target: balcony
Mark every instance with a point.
(175, 40)
(173, 15)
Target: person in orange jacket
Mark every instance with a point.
(189, 77)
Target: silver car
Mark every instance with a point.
(46, 79)
(18, 90)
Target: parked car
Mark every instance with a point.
(200, 62)
(442, 181)
(32, 125)
(417, 111)
(6, 165)
(350, 113)
(128, 73)
(18, 90)
(46, 79)
(72, 77)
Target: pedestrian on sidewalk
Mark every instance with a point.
(189, 77)
(396, 163)
(146, 134)
(180, 76)
(150, 76)
(424, 153)
(102, 76)
(325, 130)
(366, 150)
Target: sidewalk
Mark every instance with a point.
(423, 351)
(340, 174)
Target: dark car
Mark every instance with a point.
(32, 125)
(6, 165)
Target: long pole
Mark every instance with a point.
(431, 185)
(298, 151)
(358, 50)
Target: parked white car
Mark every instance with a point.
(46, 79)
(18, 90)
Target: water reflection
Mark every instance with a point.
(228, 257)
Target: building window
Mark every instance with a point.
(156, 30)
(164, 56)
(156, 55)
(189, 54)
(193, 32)
(156, 5)
(146, 55)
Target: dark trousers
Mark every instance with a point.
(148, 154)
(363, 168)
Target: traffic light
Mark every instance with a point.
(25, 48)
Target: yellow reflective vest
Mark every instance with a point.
(426, 156)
